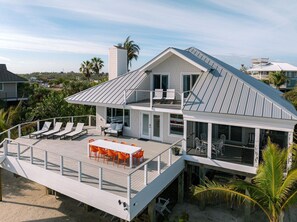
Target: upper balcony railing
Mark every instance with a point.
(169, 99)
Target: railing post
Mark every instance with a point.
(170, 157)
(90, 120)
(54, 121)
(61, 164)
(72, 119)
(38, 125)
(182, 100)
(5, 146)
(159, 164)
(100, 178)
(151, 99)
(19, 151)
(79, 171)
(31, 154)
(145, 175)
(128, 187)
(19, 130)
(45, 159)
(8, 134)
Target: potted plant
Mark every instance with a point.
(175, 150)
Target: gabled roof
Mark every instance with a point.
(273, 66)
(110, 92)
(7, 76)
(227, 90)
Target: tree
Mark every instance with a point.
(86, 69)
(97, 65)
(272, 189)
(132, 50)
(243, 69)
(277, 78)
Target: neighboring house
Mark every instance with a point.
(210, 102)
(9, 83)
(262, 67)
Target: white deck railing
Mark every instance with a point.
(136, 179)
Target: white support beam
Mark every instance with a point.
(257, 147)
(151, 99)
(209, 140)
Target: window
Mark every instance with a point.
(118, 116)
(160, 82)
(1, 87)
(188, 83)
(176, 123)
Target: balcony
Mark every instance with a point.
(149, 99)
(64, 166)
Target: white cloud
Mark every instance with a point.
(5, 59)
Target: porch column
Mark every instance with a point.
(290, 142)
(209, 140)
(181, 190)
(257, 147)
(151, 210)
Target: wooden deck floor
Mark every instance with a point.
(114, 177)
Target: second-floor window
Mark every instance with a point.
(160, 82)
(188, 83)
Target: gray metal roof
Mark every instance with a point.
(110, 92)
(7, 76)
(227, 90)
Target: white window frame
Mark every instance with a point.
(172, 134)
(127, 127)
(187, 74)
(161, 74)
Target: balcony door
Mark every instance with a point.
(151, 126)
(160, 82)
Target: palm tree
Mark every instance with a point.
(272, 189)
(277, 78)
(97, 65)
(132, 50)
(86, 69)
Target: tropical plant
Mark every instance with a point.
(292, 96)
(132, 50)
(86, 69)
(97, 65)
(273, 189)
(277, 78)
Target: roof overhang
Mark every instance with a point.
(165, 55)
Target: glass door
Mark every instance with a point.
(157, 126)
(145, 125)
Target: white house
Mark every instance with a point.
(212, 102)
(262, 67)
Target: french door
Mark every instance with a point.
(151, 126)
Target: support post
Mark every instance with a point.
(128, 187)
(79, 171)
(8, 134)
(181, 190)
(61, 164)
(170, 157)
(151, 210)
(5, 146)
(19, 151)
(209, 140)
(257, 147)
(100, 178)
(151, 99)
(38, 125)
(182, 100)
(54, 121)
(145, 175)
(19, 130)
(71, 119)
(90, 120)
(159, 164)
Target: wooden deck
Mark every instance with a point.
(74, 159)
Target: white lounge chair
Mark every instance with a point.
(67, 129)
(170, 94)
(161, 205)
(56, 129)
(158, 94)
(46, 126)
(79, 130)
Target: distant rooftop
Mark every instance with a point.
(263, 64)
(7, 76)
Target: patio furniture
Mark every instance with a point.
(111, 155)
(139, 156)
(44, 129)
(217, 148)
(103, 128)
(161, 206)
(56, 129)
(101, 152)
(200, 146)
(203, 136)
(123, 157)
(115, 129)
(79, 131)
(118, 147)
(170, 95)
(93, 149)
(158, 94)
(67, 129)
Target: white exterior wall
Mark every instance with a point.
(100, 117)
(174, 67)
(134, 129)
(117, 62)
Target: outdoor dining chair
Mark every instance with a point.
(123, 157)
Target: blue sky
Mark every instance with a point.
(58, 35)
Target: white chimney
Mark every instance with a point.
(117, 62)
